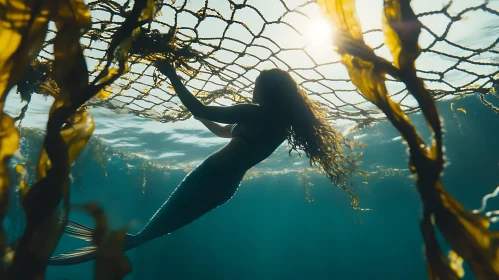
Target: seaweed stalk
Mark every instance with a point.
(23, 26)
(467, 233)
(69, 126)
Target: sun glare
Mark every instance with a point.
(318, 39)
(318, 33)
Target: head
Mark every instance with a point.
(308, 128)
(272, 87)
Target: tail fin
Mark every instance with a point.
(79, 231)
(79, 255)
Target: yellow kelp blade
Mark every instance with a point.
(9, 139)
(142, 12)
(70, 68)
(23, 26)
(76, 134)
(468, 235)
(41, 203)
(111, 262)
(456, 263)
(44, 226)
(61, 147)
(437, 265)
(365, 74)
(368, 77)
(344, 16)
(402, 29)
(22, 173)
(104, 93)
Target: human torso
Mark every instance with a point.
(252, 142)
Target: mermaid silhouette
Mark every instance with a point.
(280, 111)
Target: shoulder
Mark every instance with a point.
(250, 111)
(248, 106)
(256, 115)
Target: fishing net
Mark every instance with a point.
(220, 47)
(223, 46)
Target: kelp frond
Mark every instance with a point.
(24, 25)
(467, 233)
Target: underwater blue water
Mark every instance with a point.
(269, 230)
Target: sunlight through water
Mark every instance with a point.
(319, 34)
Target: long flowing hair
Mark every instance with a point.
(309, 131)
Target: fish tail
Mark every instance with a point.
(80, 255)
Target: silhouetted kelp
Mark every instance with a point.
(466, 233)
(24, 25)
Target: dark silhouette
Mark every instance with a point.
(280, 111)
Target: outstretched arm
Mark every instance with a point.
(221, 114)
(223, 131)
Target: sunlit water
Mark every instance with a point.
(270, 230)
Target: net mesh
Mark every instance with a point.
(223, 46)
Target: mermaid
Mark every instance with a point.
(280, 111)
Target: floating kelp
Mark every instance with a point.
(466, 233)
(23, 28)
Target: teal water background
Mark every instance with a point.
(269, 230)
